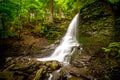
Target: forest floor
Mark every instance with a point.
(25, 45)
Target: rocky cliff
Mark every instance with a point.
(99, 24)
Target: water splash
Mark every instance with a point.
(67, 45)
(50, 78)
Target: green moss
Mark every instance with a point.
(93, 40)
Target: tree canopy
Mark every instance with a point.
(15, 13)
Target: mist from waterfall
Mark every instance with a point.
(67, 44)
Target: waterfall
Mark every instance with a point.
(67, 45)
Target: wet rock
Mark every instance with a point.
(45, 68)
(20, 73)
(52, 46)
(71, 72)
(22, 67)
(75, 60)
(39, 74)
(9, 67)
(8, 59)
(28, 68)
(19, 78)
(61, 74)
(29, 71)
(76, 78)
(54, 65)
(6, 75)
(78, 71)
(56, 75)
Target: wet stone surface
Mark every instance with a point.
(26, 68)
(21, 68)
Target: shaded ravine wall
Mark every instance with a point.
(99, 24)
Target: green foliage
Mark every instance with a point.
(106, 50)
(15, 13)
(107, 76)
(8, 11)
(114, 44)
(114, 1)
(112, 58)
(113, 49)
(91, 40)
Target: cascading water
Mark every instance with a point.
(67, 45)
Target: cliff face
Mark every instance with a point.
(99, 25)
(96, 23)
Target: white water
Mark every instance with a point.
(67, 45)
(50, 78)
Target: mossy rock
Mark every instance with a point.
(53, 65)
(39, 74)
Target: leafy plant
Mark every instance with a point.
(114, 1)
(113, 51)
(112, 58)
(114, 44)
(107, 76)
(107, 50)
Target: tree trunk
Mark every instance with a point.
(52, 13)
(4, 28)
(28, 20)
(3, 24)
(60, 12)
